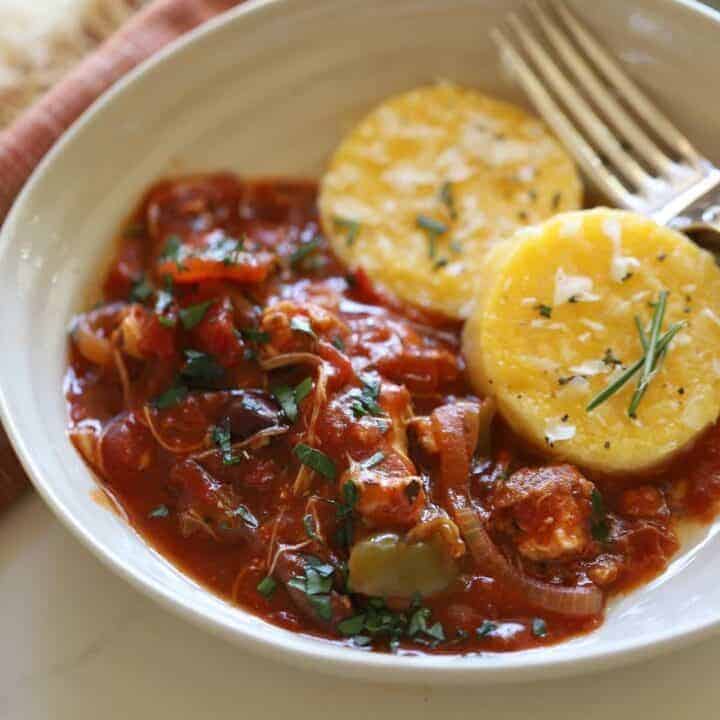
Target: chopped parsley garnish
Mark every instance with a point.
(193, 314)
(539, 627)
(352, 625)
(441, 263)
(254, 335)
(322, 605)
(300, 323)
(599, 527)
(285, 395)
(433, 229)
(266, 586)
(344, 513)
(303, 389)
(447, 197)
(171, 397)
(544, 310)
(141, 290)
(222, 437)
(338, 343)
(246, 516)
(431, 225)
(418, 621)
(487, 628)
(365, 400)
(378, 621)
(302, 251)
(289, 398)
(351, 228)
(316, 584)
(161, 511)
(373, 460)
(172, 250)
(167, 321)
(315, 460)
(201, 368)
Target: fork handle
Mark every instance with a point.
(701, 215)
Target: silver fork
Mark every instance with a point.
(658, 174)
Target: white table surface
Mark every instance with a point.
(78, 642)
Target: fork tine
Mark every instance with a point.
(563, 127)
(606, 101)
(644, 107)
(580, 108)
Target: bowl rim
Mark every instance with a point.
(327, 656)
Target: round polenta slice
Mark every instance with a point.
(432, 178)
(558, 322)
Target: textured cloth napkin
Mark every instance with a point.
(26, 141)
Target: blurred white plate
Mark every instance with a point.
(270, 88)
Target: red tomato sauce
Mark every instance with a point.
(257, 410)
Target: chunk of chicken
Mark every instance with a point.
(546, 511)
(390, 494)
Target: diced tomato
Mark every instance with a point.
(126, 446)
(214, 255)
(216, 335)
(341, 365)
(155, 339)
(250, 269)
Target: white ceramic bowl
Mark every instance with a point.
(270, 88)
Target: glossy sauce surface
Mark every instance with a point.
(213, 277)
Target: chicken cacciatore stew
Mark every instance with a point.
(308, 447)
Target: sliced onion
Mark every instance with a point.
(131, 331)
(576, 601)
(454, 437)
(85, 437)
(91, 345)
(285, 359)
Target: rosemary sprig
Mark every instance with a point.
(614, 386)
(641, 333)
(660, 350)
(651, 352)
